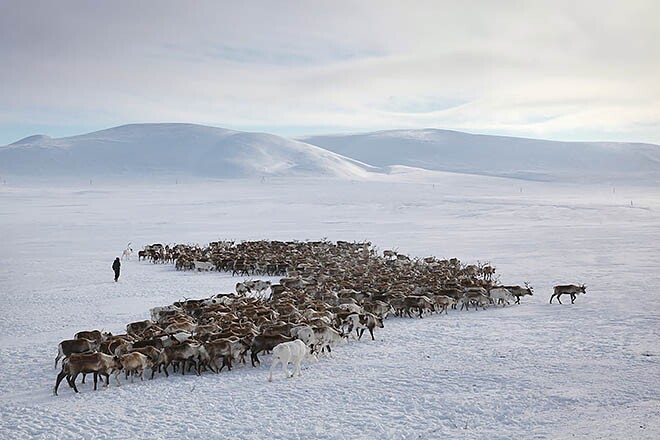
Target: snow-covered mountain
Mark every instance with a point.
(140, 150)
(148, 149)
(533, 159)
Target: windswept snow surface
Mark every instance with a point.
(588, 370)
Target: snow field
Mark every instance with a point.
(587, 370)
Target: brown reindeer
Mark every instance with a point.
(219, 348)
(70, 346)
(151, 352)
(568, 289)
(519, 292)
(97, 363)
(419, 302)
(134, 363)
(93, 335)
(181, 353)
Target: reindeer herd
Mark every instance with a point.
(328, 293)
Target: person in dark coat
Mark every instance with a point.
(116, 266)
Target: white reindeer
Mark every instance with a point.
(500, 295)
(326, 338)
(305, 333)
(126, 254)
(290, 351)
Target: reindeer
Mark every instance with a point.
(519, 292)
(500, 295)
(420, 302)
(289, 351)
(70, 346)
(326, 338)
(126, 254)
(568, 289)
(442, 302)
(487, 272)
(132, 364)
(97, 363)
(360, 323)
(477, 296)
(181, 353)
(390, 254)
(265, 342)
(93, 335)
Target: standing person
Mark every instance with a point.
(116, 266)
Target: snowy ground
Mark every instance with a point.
(589, 370)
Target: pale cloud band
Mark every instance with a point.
(559, 70)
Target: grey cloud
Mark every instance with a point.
(335, 63)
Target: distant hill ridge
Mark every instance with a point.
(447, 150)
(187, 149)
(197, 150)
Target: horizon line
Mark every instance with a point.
(338, 133)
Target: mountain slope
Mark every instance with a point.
(445, 150)
(140, 150)
(145, 149)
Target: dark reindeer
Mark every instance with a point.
(265, 342)
(519, 292)
(98, 363)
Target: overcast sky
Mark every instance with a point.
(569, 70)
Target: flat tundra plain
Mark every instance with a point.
(535, 370)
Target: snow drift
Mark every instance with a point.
(530, 159)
